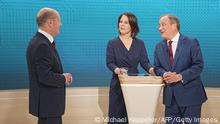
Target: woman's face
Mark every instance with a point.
(124, 26)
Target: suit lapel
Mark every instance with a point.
(178, 50)
(55, 53)
(165, 51)
(57, 62)
(58, 58)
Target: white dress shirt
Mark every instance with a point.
(175, 40)
(49, 37)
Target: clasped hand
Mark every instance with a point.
(171, 77)
(120, 71)
(68, 77)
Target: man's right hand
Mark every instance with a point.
(68, 77)
(172, 77)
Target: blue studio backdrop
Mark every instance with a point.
(87, 26)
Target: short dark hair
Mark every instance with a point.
(132, 21)
(173, 19)
(44, 14)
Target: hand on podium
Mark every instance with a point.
(151, 72)
(121, 71)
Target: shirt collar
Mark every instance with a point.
(49, 37)
(175, 39)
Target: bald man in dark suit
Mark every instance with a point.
(47, 82)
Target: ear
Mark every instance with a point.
(174, 26)
(49, 22)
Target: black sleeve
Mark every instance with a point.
(110, 57)
(144, 61)
(43, 63)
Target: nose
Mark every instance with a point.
(122, 24)
(159, 27)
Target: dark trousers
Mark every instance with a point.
(176, 114)
(50, 120)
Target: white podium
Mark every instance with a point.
(141, 95)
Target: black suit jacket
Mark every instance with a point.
(47, 84)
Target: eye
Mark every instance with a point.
(126, 22)
(164, 24)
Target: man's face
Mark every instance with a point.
(167, 30)
(56, 23)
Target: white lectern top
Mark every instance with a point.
(125, 79)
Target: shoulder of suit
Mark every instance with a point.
(114, 40)
(189, 39)
(38, 41)
(138, 40)
(41, 39)
(163, 41)
(184, 37)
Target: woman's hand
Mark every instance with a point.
(117, 71)
(120, 71)
(123, 70)
(151, 72)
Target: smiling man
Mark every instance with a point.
(178, 59)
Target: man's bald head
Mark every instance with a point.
(44, 14)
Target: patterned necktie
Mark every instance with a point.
(170, 52)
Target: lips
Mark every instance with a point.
(122, 28)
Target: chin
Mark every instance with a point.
(163, 36)
(57, 33)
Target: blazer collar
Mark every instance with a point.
(178, 50)
(165, 51)
(38, 34)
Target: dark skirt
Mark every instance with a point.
(117, 111)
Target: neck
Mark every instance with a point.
(126, 37)
(172, 36)
(46, 30)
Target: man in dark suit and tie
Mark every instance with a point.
(178, 59)
(47, 80)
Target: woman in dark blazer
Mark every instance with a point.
(124, 53)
